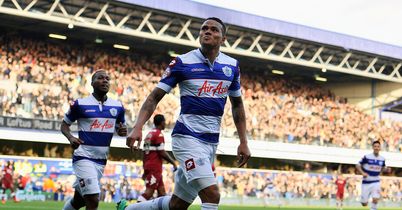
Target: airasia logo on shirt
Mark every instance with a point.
(375, 168)
(96, 124)
(209, 88)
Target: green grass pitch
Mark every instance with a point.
(51, 205)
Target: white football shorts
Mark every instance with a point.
(88, 175)
(195, 171)
(371, 189)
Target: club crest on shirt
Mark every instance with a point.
(227, 71)
(113, 112)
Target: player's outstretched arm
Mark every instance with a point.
(74, 142)
(239, 117)
(146, 111)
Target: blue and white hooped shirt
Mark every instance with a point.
(372, 165)
(96, 125)
(204, 88)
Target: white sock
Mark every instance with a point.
(161, 203)
(68, 206)
(373, 206)
(209, 206)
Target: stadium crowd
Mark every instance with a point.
(40, 78)
(297, 184)
(123, 180)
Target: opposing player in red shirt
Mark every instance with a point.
(7, 181)
(154, 154)
(340, 184)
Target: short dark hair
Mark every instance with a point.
(375, 142)
(219, 21)
(158, 119)
(97, 71)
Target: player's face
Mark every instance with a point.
(101, 82)
(211, 34)
(376, 148)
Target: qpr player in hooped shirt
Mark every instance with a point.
(98, 118)
(371, 166)
(206, 77)
(204, 88)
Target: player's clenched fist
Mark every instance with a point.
(243, 154)
(122, 129)
(134, 139)
(75, 142)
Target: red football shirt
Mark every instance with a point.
(7, 180)
(7, 173)
(154, 143)
(340, 184)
